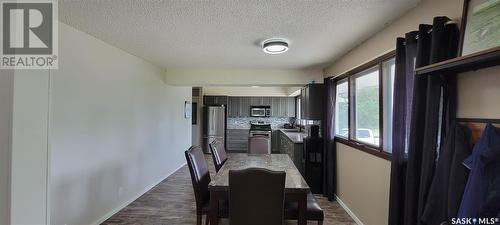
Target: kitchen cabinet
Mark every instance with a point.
(280, 106)
(233, 107)
(266, 101)
(283, 106)
(311, 101)
(294, 150)
(215, 100)
(237, 140)
(256, 101)
(276, 110)
(290, 107)
(244, 108)
(275, 141)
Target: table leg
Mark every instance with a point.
(214, 208)
(302, 209)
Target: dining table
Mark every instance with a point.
(296, 188)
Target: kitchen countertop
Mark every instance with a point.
(294, 136)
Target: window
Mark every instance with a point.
(298, 111)
(366, 107)
(363, 106)
(341, 109)
(388, 69)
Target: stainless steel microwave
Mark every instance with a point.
(260, 111)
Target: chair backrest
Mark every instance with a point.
(218, 154)
(256, 196)
(200, 175)
(259, 145)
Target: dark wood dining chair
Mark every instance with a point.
(218, 154)
(314, 211)
(259, 145)
(200, 177)
(256, 196)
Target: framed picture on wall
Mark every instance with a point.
(187, 110)
(480, 26)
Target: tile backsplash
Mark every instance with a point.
(244, 122)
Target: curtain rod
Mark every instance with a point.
(430, 30)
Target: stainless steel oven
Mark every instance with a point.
(260, 111)
(261, 129)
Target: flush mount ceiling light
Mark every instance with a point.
(275, 46)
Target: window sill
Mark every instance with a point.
(365, 148)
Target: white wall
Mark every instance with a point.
(6, 95)
(29, 165)
(89, 137)
(116, 129)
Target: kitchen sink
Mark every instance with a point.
(292, 130)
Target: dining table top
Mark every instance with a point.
(294, 182)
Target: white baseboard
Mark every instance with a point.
(349, 211)
(120, 207)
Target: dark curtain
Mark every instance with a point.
(448, 184)
(403, 87)
(329, 151)
(423, 108)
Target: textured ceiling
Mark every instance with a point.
(227, 33)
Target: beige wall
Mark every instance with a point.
(363, 179)
(479, 94)
(363, 184)
(249, 91)
(242, 77)
(385, 40)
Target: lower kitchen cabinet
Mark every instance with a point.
(275, 141)
(237, 140)
(294, 150)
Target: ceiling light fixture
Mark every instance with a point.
(275, 46)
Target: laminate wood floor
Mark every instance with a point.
(172, 202)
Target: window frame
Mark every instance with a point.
(351, 75)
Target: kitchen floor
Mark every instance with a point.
(172, 202)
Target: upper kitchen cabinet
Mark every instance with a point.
(255, 101)
(311, 103)
(276, 110)
(290, 105)
(244, 108)
(266, 101)
(233, 106)
(280, 106)
(215, 100)
(239, 106)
